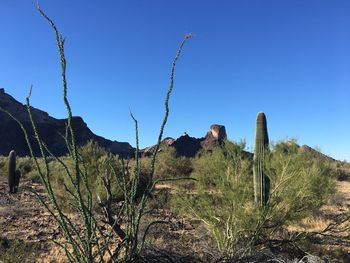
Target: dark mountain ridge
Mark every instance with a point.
(189, 146)
(50, 129)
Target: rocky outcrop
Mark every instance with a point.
(216, 132)
(189, 146)
(215, 137)
(148, 151)
(50, 129)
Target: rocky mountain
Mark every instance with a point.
(50, 129)
(190, 146)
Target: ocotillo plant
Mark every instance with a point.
(85, 241)
(12, 172)
(261, 147)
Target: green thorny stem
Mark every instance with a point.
(137, 167)
(132, 210)
(82, 249)
(134, 205)
(60, 41)
(188, 36)
(70, 231)
(46, 179)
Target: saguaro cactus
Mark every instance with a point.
(261, 147)
(17, 178)
(12, 172)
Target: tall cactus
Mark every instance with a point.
(12, 172)
(261, 147)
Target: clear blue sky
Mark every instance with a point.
(288, 58)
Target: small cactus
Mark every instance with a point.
(17, 178)
(12, 172)
(261, 147)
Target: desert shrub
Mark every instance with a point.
(342, 170)
(168, 165)
(28, 168)
(342, 175)
(25, 164)
(17, 251)
(223, 195)
(160, 199)
(98, 162)
(3, 166)
(223, 198)
(301, 183)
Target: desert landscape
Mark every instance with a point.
(70, 195)
(205, 167)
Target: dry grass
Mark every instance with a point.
(338, 206)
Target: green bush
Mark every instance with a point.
(97, 161)
(223, 198)
(3, 166)
(168, 165)
(301, 182)
(25, 165)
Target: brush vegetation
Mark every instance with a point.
(223, 196)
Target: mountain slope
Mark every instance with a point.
(50, 129)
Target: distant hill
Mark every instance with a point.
(50, 129)
(288, 145)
